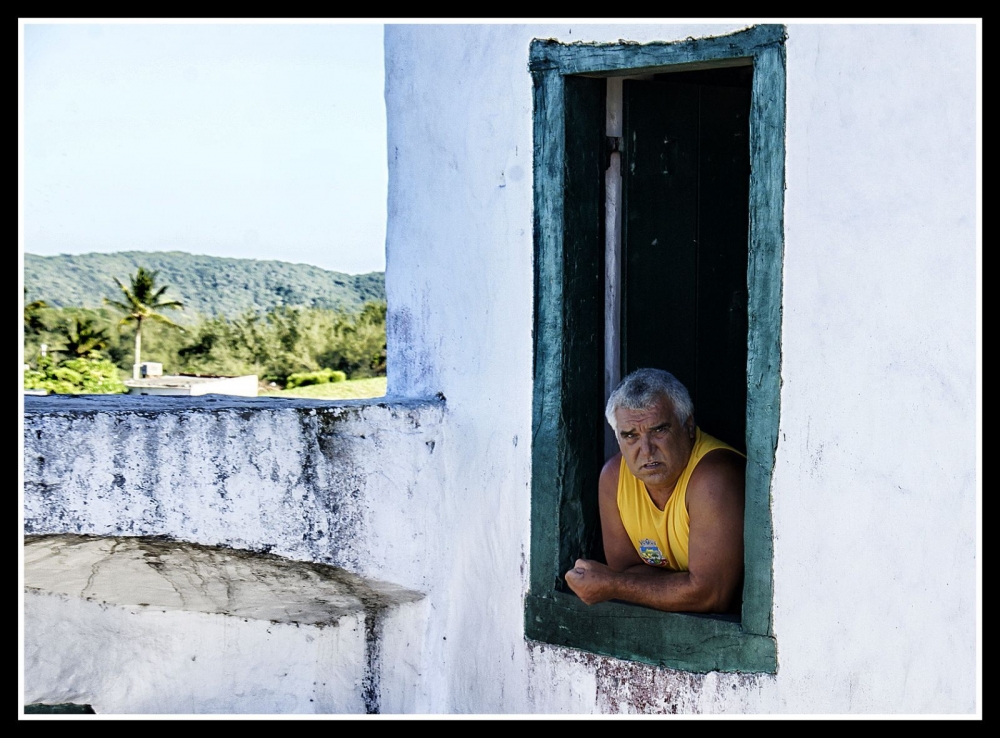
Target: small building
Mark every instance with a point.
(152, 381)
(193, 385)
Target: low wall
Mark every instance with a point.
(308, 480)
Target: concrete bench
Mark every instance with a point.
(147, 625)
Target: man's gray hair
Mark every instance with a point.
(642, 388)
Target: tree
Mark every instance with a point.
(83, 340)
(33, 322)
(142, 301)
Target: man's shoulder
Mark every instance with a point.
(609, 474)
(720, 471)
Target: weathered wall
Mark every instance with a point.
(874, 489)
(300, 479)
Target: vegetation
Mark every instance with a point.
(287, 341)
(33, 322)
(274, 346)
(207, 285)
(323, 376)
(143, 301)
(75, 376)
(82, 340)
(352, 389)
(295, 347)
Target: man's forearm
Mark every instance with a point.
(663, 589)
(660, 588)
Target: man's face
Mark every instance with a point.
(655, 444)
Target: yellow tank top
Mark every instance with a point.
(661, 536)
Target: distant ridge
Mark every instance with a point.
(207, 285)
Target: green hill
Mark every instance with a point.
(207, 285)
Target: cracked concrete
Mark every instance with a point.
(144, 572)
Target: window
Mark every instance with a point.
(727, 93)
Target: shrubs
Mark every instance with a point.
(323, 376)
(75, 377)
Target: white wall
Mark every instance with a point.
(874, 490)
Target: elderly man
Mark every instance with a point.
(671, 506)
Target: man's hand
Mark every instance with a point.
(591, 580)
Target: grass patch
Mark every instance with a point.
(352, 389)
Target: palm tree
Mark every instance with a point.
(83, 341)
(142, 300)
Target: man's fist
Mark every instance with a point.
(590, 580)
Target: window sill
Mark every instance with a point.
(685, 641)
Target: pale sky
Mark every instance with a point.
(256, 140)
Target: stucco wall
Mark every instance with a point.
(874, 489)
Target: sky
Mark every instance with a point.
(251, 140)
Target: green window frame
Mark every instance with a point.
(568, 394)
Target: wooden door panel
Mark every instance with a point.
(684, 240)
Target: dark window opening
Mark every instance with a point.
(686, 186)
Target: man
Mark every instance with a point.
(671, 506)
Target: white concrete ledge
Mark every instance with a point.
(76, 404)
(143, 625)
